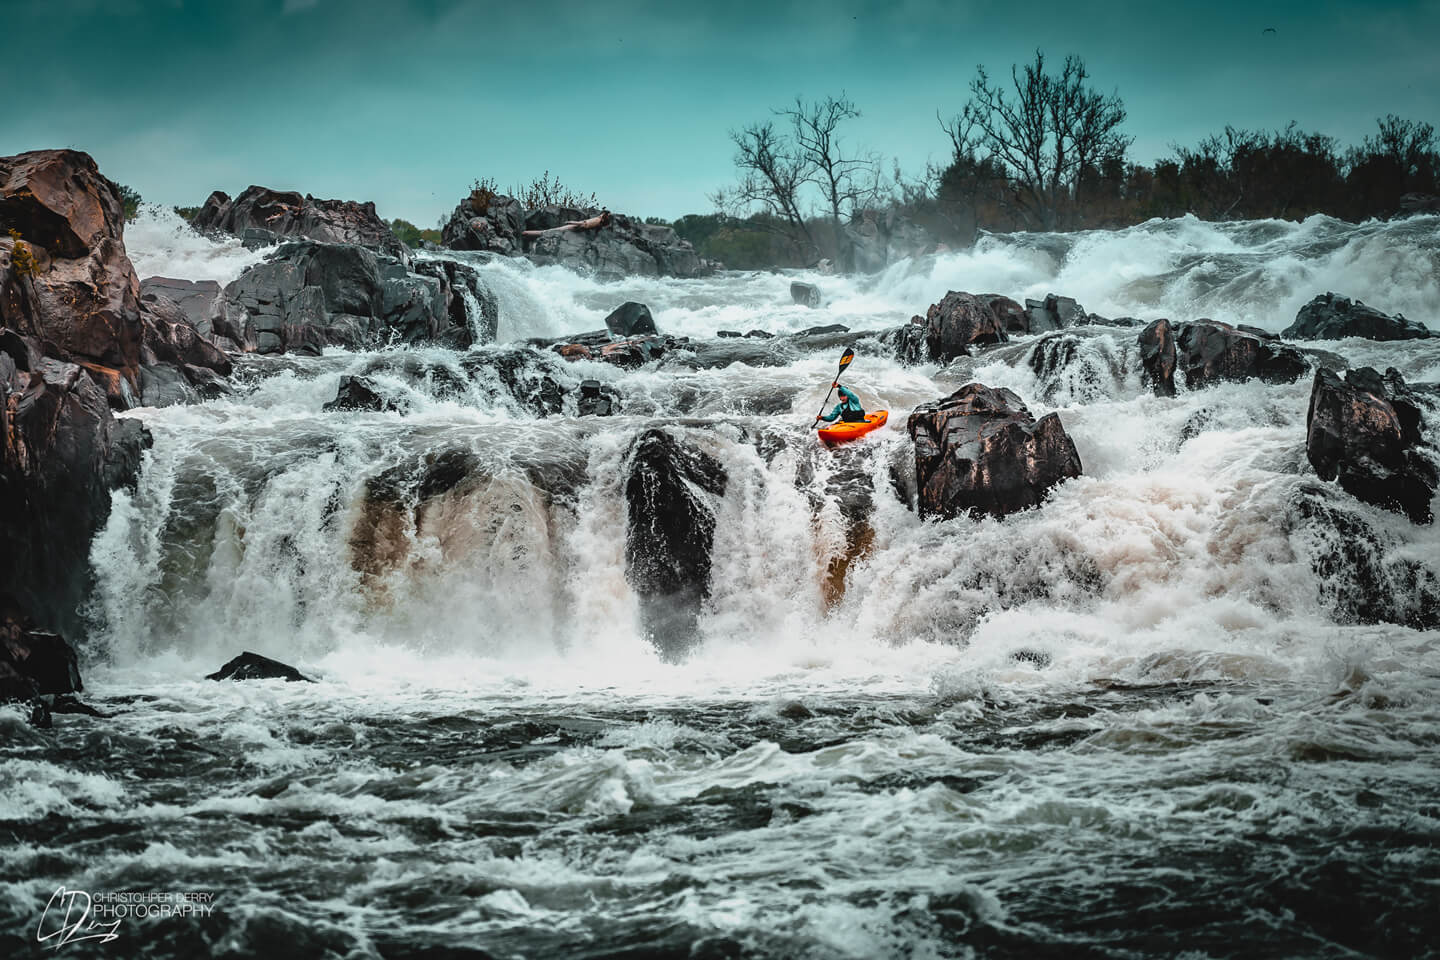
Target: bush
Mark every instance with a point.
(22, 260)
(411, 235)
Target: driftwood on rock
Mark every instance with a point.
(594, 223)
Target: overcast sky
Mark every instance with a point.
(405, 102)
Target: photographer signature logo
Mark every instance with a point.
(66, 916)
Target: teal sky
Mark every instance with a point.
(405, 102)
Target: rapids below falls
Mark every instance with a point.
(1172, 713)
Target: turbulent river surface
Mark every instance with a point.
(1176, 711)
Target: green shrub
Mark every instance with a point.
(22, 260)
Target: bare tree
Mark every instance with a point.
(771, 176)
(1406, 143)
(848, 182)
(1045, 133)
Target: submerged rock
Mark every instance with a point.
(1053, 313)
(1333, 317)
(1365, 432)
(669, 536)
(253, 666)
(362, 393)
(980, 450)
(596, 400)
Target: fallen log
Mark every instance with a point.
(594, 223)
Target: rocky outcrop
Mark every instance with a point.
(1012, 316)
(1365, 432)
(981, 451)
(36, 664)
(669, 491)
(623, 246)
(879, 240)
(79, 291)
(195, 297)
(1208, 351)
(805, 294)
(253, 666)
(631, 319)
(308, 295)
(267, 216)
(61, 454)
(1157, 358)
(954, 327)
(468, 301)
(1332, 317)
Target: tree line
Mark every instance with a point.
(1043, 149)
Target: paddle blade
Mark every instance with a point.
(845, 359)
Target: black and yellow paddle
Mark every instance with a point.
(845, 359)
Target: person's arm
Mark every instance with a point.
(833, 415)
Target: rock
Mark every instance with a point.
(551, 216)
(728, 334)
(1157, 358)
(805, 294)
(308, 295)
(469, 303)
(1012, 316)
(879, 240)
(361, 393)
(631, 319)
(163, 385)
(252, 666)
(530, 378)
(485, 221)
(272, 215)
(169, 336)
(33, 662)
(670, 492)
(1365, 432)
(759, 334)
(981, 451)
(61, 454)
(596, 400)
(195, 297)
(1332, 317)
(822, 330)
(1208, 351)
(1053, 313)
(82, 296)
(955, 326)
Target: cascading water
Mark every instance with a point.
(1154, 716)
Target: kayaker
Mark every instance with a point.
(847, 410)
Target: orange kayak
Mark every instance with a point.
(843, 432)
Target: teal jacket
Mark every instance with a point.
(849, 404)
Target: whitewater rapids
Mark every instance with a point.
(1155, 717)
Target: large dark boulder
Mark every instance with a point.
(469, 303)
(253, 666)
(362, 394)
(980, 450)
(62, 452)
(169, 336)
(1332, 317)
(1013, 317)
(308, 295)
(631, 319)
(81, 293)
(805, 294)
(952, 328)
(670, 491)
(1053, 313)
(1157, 357)
(1208, 352)
(596, 400)
(40, 660)
(1365, 432)
(485, 221)
(262, 213)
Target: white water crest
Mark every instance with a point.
(162, 244)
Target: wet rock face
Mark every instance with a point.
(469, 303)
(263, 214)
(33, 662)
(61, 453)
(362, 393)
(82, 294)
(1365, 432)
(980, 450)
(670, 534)
(1157, 357)
(954, 327)
(1208, 351)
(631, 319)
(596, 400)
(1333, 317)
(195, 298)
(1011, 315)
(310, 295)
(485, 222)
(1053, 313)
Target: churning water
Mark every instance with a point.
(1190, 707)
